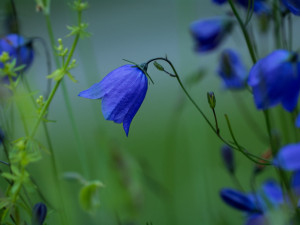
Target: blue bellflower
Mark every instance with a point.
(293, 6)
(209, 33)
(259, 6)
(276, 79)
(219, 2)
(122, 92)
(232, 70)
(288, 157)
(17, 48)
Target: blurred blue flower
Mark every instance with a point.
(276, 79)
(232, 70)
(39, 213)
(18, 48)
(219, 2)
(228, 158)
(238, 200)
(293, 6)
(288, 157)
(209, 33)
(273, 192)
(257, 219)
(122, 92)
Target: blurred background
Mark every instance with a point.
(169, 170)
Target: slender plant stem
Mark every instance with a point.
(261, 160)
(79, 146)
(245, 32)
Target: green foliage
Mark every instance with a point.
(88, 196)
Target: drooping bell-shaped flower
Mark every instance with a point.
(238, 200)
(122, 92)
(276, 79)
(18, 48)
(209, 33)
(288, 157)
(232, 70)
(293, 6)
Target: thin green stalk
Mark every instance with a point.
(280, 172)
(79, 146)
(261, 160)
(245, 32)
(235, 141)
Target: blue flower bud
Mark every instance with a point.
(288, 157)
(232, 70)
(276, 79)
(18, 48)
(39, 213)
(209, 33)
(293, 6)
(238, 200)
(122, 92)
(228, 158)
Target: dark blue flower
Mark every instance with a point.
(209, 33)
(219, 2)
(238, 200)
(276, 79)
(39, 213)
(295, 182)
(228, 158)
(232, 70)
(18, 48)
(293, 6)
(122, 92)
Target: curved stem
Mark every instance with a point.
(244, 151)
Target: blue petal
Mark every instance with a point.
(295, 182)
(297, 122)
(256, 219)
(293, 6)
(288, 157)
(273, 191)
(238, 200)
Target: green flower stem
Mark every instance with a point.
(245, 32)
(280, 172)
(260, 161)
(13, 87)
(80, 150)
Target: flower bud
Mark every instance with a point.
(211, 99)
(158, 66)
(39, 213)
